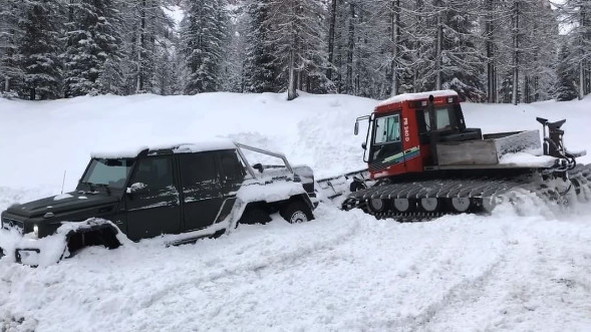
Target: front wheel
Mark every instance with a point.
(296, 212)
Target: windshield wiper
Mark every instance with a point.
(90, 185)
(104, 185)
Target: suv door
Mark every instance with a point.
(153, 205)
(232, 173)
(201, 189)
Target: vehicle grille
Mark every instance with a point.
(9, 224)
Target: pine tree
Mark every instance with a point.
(565, 86)
(146, 30)
(578, 14)
(298, 35)
(462, 60)
(233, 69)
(10, 72)
(260, 72)
(203, 37)
(38, 49)
(92, 41)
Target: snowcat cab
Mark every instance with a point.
(403, 131)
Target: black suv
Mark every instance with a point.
(193, 190)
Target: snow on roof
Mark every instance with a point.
(416, 96)
(204, 146)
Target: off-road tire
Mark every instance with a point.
(296, 212)
(254, 215)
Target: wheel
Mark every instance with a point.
(357, 185)
(402, 204)
(296, 212)
(429, 204)
(460, 204)
(376, 205)
(254, 215)
(488, 204)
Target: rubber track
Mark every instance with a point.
(475, 189)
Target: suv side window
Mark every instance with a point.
(155, 173)
(231, 166)
(200, 179)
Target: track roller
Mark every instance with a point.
(429, 204)
(376, 205)
(402, 204)
(460, 204)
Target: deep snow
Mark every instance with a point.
(526, 267)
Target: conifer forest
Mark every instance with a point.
(495, 51)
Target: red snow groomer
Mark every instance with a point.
(424, 161)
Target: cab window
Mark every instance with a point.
(443, 119)
(387, 129)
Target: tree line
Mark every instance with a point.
(506, 51)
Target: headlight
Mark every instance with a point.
(36, 230)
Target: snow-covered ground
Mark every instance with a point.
(523, 268)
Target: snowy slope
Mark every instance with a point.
(523, 268)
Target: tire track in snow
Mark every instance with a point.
(279, 261)
(441, 280)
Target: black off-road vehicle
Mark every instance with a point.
(188, 191)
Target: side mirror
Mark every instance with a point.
(364, 146)
(356, 130)
(136, 187)
(259, 167)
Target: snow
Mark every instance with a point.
(271, 192)
(525, 267)
(132, 152)
(417, 96)
(62, 197)
(524, 159)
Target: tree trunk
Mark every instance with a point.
(515, 17)
(395, 38)
(291, 89)
(350, 49)
(490, 66)
(331, 36)
(581, 80)
(438, 63)
(141, 48)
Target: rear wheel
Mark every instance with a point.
(254, 215)
(296, 212)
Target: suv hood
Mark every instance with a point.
(61, 203)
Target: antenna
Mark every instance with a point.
(63, 182)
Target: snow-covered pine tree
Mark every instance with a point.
(233, 60)
(260, 72)
(10, 72)
(93, 39)
(203, 35)
(39, 48)
(146, 30)
(577, 13)
(297, 31)
(565, 88)
(539, 51)
(462, 60)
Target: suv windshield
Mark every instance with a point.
(110, 172)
